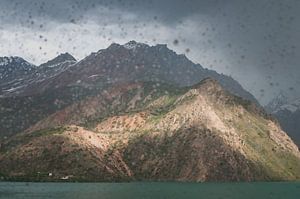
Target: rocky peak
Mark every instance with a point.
(162, 46)
(60, 59)
(277, 102)
(7, 61)
(13, 68)
(292, 106)
(114, 46)
(133, 45)
(66, 56)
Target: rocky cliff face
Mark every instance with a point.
(151, 131)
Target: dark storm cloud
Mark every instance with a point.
(168, 10)
(257, 41)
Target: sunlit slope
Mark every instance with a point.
(149, 131)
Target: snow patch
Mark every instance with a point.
(14, 89)
(93, 76)
(61, 63)
(292, 107)
(133, 45)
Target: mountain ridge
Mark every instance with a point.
(145, 131)
(159, 59)
(61, 58)
(71, 81)
(138, 112)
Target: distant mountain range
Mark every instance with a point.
(288, 114)
(135, 112)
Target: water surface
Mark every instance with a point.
(18, 190)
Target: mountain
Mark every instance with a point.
(19, 109)
(277, 102)
(13, 68)
(64, 81)
(12, 71)
(153, 131)
(288, 115)
(135, 61)
(20, 75)
(59, 60)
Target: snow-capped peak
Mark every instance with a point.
(277, 102)
(59, 60)
(133, 45)
(281, 103)
(292, 106)
(12, 59)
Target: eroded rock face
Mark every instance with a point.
(145, 131)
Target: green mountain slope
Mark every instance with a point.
(148, 131)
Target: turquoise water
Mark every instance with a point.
(149, 190)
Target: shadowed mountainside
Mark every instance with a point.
(150, 131)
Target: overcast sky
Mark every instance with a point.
(257, 42)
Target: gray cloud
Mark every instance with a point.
(256, 42)
(167, 10)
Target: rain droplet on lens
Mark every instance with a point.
(72, 21)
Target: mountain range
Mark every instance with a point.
(135, 112)
(60, 82)
(288, 114)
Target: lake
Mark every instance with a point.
(157, 190)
